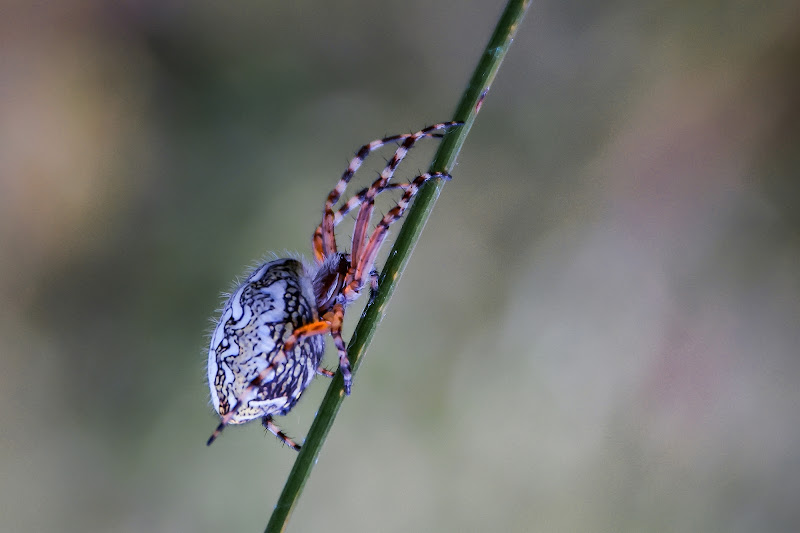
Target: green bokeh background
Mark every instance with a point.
(597, 332)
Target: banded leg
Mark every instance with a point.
(366, 262)
(270, 426)
(319, 327)
(328, 242)
(368, 205)
(339, 215)
(317, 240)
(336, 317)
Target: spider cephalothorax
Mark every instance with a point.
(269, 341)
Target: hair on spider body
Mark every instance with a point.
(270, 337)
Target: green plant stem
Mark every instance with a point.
(416, 218)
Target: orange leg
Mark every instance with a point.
(322, 371)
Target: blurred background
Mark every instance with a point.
(598, 330)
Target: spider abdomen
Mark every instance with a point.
(260, 315)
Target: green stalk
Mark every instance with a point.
(416, 217)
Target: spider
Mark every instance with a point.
(270, 338)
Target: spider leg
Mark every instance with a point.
(275, 430)
(331, 323)
(317, 242)
(366, 262)
(324, 241)
(327, 245)
(322, 371)
(337, 315)
(320, 327)
(367, 206)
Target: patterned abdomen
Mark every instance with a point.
(275, 299)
